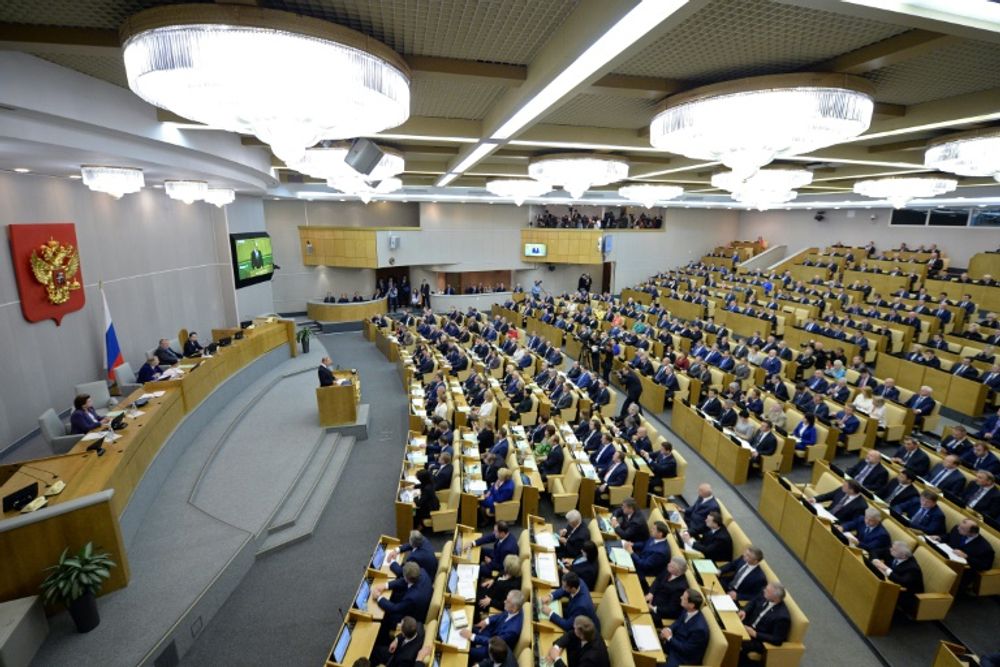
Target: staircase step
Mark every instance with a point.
(305, 483)
(305, 523)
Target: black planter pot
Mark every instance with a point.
(83, 611)
(305, 346)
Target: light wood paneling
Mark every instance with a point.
(564, 246)
(345, 312)
(339, 246)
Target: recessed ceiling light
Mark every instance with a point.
(74, 177)
(158, 185)
(22, 170)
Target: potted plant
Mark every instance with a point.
(303, 336)
(75, 581)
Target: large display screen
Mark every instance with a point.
(252, 260)
(535, 250)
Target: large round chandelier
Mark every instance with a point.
(328, 162)
(764, 199)
(764, 180)
(577, 172)
(900, 190)
(115, 181)
(746, 124)
(517, 189)
(649, 194)
(974, 153)
(220, 196)
(353, 185)
(186, 191)
(290, 80)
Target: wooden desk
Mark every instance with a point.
(824, 555)
(866, 599)
(772, 501)
(983, 263)
(337, 404)
(362, 640)
(645, 658)
(321, 311)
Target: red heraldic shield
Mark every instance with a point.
(46, 262)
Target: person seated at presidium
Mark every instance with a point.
(192, 348)
(84, 417)
(150, 371)
(166, 355)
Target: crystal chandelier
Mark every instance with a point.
(355, 186)
(115, 181)
(241, 68)
(220, 196)
(649, 194)
(577, 173)
(764, 180)
(186, 191)
(328, 162)
(764, 199)
(746, 124)
(900, 190)
(974, 153)
(517, 189)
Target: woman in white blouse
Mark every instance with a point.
(878, 411)
(864, 401)
(484, 413)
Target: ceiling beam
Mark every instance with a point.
(513, 75)
(911, 145)
(54, 39)
(891, 51)
(642, 87)
(889, 110)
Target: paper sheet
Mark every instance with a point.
(723, 603)
(645, 638)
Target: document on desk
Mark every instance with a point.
(645, 637)
(547, 539)
(476, 486)
(945, 547)
(530, 464)
(464, 409)
(824, 514)
(518, 431)
(417, 457)
(588, 471)
(581, 456)
(621, 558)
(704, 566)
(417, 391)
(151, 395)
(95, 435)
(545, 567)
(555, 607)
(723, 603)
(469, 437)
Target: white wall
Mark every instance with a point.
(687, 234)
(797, 230)
(164, 268)
(246, 214)
(563, 278)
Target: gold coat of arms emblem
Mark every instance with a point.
(55, 265)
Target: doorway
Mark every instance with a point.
(607, 275)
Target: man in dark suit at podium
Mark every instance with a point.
(325, 374)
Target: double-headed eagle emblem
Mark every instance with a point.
(55, 265)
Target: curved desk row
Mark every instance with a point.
(443, 303)
(98, 488)
(320, 311)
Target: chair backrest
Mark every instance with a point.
(526, 658)
(455, 493)
(98, 392)
(571, 480)
(124, 374)
(938, 577)
(51, 425)
(620, 649)
(800, 624)
(897, 533)
(603, 579)
(740, 539)
(444, 563)
(524, 640)
(595, 533)
(715, 653)
(437, 597)
(610, 613)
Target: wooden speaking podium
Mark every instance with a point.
(338, 404)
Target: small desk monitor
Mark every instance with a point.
(453, 581)
(379, 557)
(340, 650)
(445, 626)
(361, 600)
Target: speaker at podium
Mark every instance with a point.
(337, 404)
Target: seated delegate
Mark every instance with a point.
(84, 417)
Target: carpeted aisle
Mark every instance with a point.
(285, 611)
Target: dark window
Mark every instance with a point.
(988, 217)
(948, 217)
(908, 216)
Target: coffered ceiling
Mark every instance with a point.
(476, 61)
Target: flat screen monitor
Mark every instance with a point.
(535, 250)
(453, 581)
(361, 600)
(252, 259)
(340, 650)
(458, 545)
(379, 558)
(20, 498)
(445, 626)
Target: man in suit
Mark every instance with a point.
(192, 348)
(572, 537)
(926, 516)
(899, 491)
(846, 422)
(912, 457)
(576, 602)
(771, 364)
(983, 496)
(818, 408)
(712, 406)
(763, 442)
(166, 355)
(418, 551)
(325, 374)
(664, 596)
(715, 543)
(742, 579)
(686, 639)
(663, 463)
(991, 429)
(614, 474)
(601, 457)
(403, 650)
(150, 371)
(991, 378)
(817, 383)
(504, 545)
(868, 472)
(583, 646)
(902, 568)
(922, 404)
(888, 390)
(867, 532)
(650, 557)
(728, 416)
(965, 369)
(958, 443)
(697, 513)
(629, 523)
(981, 458)
(967, 543)
(766, 620)
(946, 476)
(411, 596)
(506, 625)
(846, 501)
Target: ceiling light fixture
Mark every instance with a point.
(328, 162)
(517, 189)
(186, 191)
(629, 29)
(578, 172)
(779, 115)
(240, 68)
(967, 153)
(220, 196)
(899, 191)
(115, 181)
(764, 189)
(648, 195)
(22, 170)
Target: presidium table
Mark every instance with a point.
(98, 488)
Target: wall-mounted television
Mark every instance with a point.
(535, 250)
(252, 259)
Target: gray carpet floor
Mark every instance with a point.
(286, 611)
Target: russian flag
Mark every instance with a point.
(113, 353)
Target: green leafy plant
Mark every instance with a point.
(75, 576)
(304, 335)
